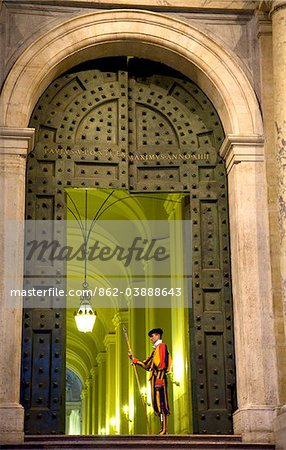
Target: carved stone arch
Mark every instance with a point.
(123, 32)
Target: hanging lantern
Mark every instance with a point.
(85, 317)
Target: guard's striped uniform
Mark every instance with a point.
(159, 364)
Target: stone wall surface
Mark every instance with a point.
(279, 122)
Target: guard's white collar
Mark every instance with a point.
(157, 343)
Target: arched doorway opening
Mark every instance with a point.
(73, 403)
(137, 125)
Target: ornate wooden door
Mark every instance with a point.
(139, 126)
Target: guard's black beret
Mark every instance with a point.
(155, 331)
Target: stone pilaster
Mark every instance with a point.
(122, 371)
(180, 341)
(278, 15)
(137, 337)
(256, 364)
(88, 387)
(101, 404)
(94, 400)
(279, 61)
(14, 146)
(264, 29)
(83, 411)
(111, 413)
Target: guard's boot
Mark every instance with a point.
(163, 419)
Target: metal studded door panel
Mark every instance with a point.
(42, 371)
(143, 128)
(212, 336)
(172, 121)
(81, 141)
(82, 132)
(43, 353)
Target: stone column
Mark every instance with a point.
(14, 146)
(255, 346)
(121, 371)
(111, 414)
(180, 348)
(68, 414)
(101, 404)
(83, 411)
(137, 336)
(278, 15)
(88, 387)
(264, 31)
(94, 400)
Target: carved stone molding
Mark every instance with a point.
(236, 149)
(120, 318)
(276, 5)
(264, 23)
(16, 141)
(101, 358)
(265, 5)
(109, 339)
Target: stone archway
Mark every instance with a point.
(137, 33)
(218, 74)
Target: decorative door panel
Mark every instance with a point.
(175, 136)
(43, 360)
(142, 127)
(212, 333)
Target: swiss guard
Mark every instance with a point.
(159, 364)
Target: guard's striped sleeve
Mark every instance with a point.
(146, 364)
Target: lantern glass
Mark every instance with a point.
(85, 318)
